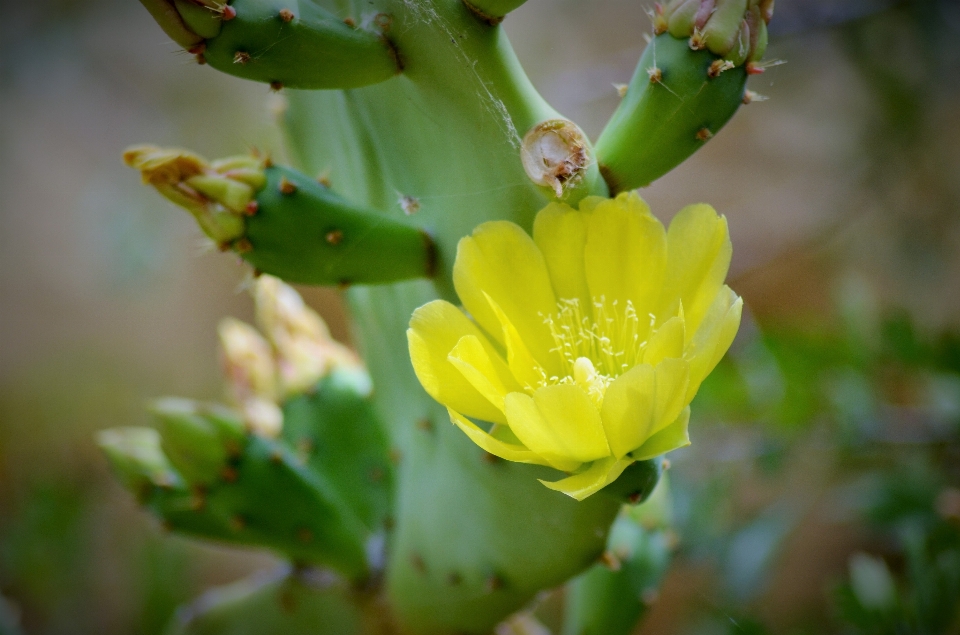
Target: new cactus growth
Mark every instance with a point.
(585, 336)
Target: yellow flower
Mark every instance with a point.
(584, 345)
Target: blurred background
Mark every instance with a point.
(822, 490)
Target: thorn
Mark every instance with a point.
(241, 57)
(610, 561)
(304, 535)
(229, 474)
(243, 246)
(228, 13)
(251, 208)
(257, 272)
(287, 187)
(718, 66)
(666, 464)
(384, 21)
(656, 75)
(237, 523)
(409, 204)
(201, 60)
(698, 41)
(334, 237)
(454, 578)
(621, 90)
(343, 284)
(197, 49)
(224, 246)
(755, 69)
(647, 38)
(425, 424)
(490, 458)
(493, 583)
(324, 179)
(703, 134)
(656, 17)
(276, 457)
(634, 497)
(276, 86)
(750, 97)
(166, 525)
(416, 561)
(350, 22)
(286, 15)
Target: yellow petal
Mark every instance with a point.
(698, 256)
(559, 423)
(435, 328)
(488, 374)
(628, 407)
(625, 254)
(670, 438)
(714, 337)
(499, 260)
(561, 234)
(672, 377)
(526, 370)
(496, 447)
(668, 341)
(600, 474)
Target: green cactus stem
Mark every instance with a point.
(492, 11)
(260, 493)
(335, 429)
(673, 105)
(689, 82)
(612, 596)
(287, 601)
(303, 232)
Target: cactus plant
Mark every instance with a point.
(436, 155)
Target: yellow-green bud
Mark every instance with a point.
(304, 348)
(735, 30)
(217, 194)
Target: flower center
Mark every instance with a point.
(599, 344)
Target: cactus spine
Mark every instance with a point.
(433, 129)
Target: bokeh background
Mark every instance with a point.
(822, 491)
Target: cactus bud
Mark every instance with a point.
(305, 351)
(217, 195)
(251, 376)
(198, 439)
(734, 30)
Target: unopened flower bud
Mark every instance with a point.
(304, 349)
(247, 361)
(216, 194)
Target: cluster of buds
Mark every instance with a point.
(218, 194)
(735, 30)
(294, 351)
